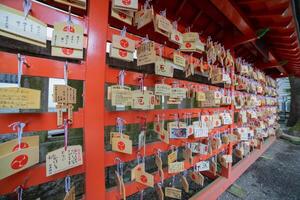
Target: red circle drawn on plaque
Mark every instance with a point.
(124, 43)
(126, 2)
(122, 53)
(19, 161)
(23, 145)
(144, 179)
(188, 45)
(121, 146)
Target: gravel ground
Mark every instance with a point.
(277, 176)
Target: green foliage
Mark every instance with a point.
(296, 127)
(261, 32)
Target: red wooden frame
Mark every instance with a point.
(93, 117)
(50, 68)
(94, 100)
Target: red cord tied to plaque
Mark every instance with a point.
(19, 126)
(66, 124)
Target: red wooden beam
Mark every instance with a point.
(216, 188)
(94, 100)
(256, 3)
(131, 78)
(231, 43)
(282, 44)
(268, 65)
(271, 20)
(131, 116)
(36, 121)
(286, 49)
(283, 39)
(42, 67)
(261, 8)
(33, 176)
(181, 6)
(288, 55)
(281, 31)
(239, 20)
(234, 16)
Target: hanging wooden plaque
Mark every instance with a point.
(173, 192)
(178, 93)
(213, 168)
(124, 43)
(164, 136)
(125, 4)
(60, 160)
(160, 192)
(162, 90)
(14, 159)
(175, 167)
(146, 54)
(120, 54)
(144, 17)
(162, 25)
(144, 100)
(65, 38)
(179, 60)
(144, 178)
(117, 135)
(19, 98)
(122, 145)
(64, 94)
(115, 13)
(202, 166)
(200, 96)
(158, 162)
(176, 37)
(14, 25)
(185, 184)
(188, 155)
(190, 36)
(163, 68)
(177, 132)
(172, 157)
(188, 46)
(119, 95)
(71, 194)
(197, 177)
(139, 167)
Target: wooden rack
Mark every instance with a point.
(93, 117)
